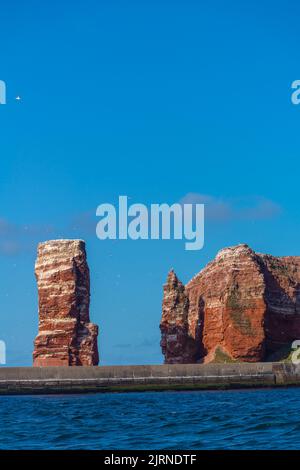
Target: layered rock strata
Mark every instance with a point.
(66, 337)
(242, 306)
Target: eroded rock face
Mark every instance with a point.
(174, 324)
(66, 337)
(243, 305)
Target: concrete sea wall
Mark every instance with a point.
(46, 380)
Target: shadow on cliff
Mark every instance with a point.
(281, 328)
(200, 350)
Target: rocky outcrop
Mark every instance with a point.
(66, 337)
(175, 340)
(242, 306)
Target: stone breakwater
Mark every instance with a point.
(243, 306)
(66, 337)
(46, 380)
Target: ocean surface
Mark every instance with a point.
(248, 419)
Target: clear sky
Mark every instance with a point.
(158, 100)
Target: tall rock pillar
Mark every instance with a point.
(65, 337)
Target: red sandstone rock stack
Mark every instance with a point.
(66, 337)
(242, 306)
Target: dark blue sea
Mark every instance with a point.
(248, 419)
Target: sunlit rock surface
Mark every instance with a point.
(65, 337)
(242, 306)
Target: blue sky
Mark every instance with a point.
(155, 100)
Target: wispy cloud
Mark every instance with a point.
(9, 248)
(19, 238)
(220, 209)
(6, 228)
(144, 344)
(84, 222)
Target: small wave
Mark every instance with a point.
(199, 420)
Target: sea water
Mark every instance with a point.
(247, 419)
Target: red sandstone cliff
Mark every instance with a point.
(66, 337)
(243, 305)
